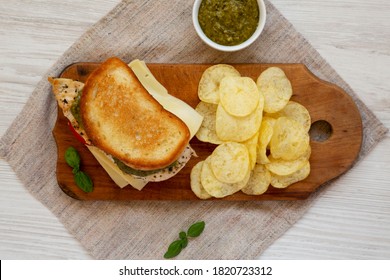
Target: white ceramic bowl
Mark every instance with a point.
(241, 46)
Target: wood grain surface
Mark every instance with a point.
(325, 102)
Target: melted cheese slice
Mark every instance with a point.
(182, 110)
(120, 178)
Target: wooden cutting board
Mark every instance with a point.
(336, 136)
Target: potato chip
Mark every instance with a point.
(258, 182)
(254, 151)
(295, 111)
(276, 88)
(251, 145)
(207, 132)
(239, 96)
(281, 182)
(230, 162)
(196, 185)
(238, 129)
(217, 188)
(265, 134)
(285, 167)
(208, 89)
(289, 140)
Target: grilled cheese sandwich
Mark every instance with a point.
(128, 127)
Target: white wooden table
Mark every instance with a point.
(352, 219)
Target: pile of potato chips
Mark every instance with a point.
(262, 135)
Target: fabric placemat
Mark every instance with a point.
(162, 32)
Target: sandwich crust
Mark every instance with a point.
(124, 120)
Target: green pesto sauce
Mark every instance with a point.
(228, 22)
(75, 109)
(127, 169)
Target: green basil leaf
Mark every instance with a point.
(83, 181)
(72, 158)
(174, 249)
(184, 239)
(196, 229)
(182, 235)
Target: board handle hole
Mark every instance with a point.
(320, 131)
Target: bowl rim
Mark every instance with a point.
(249, 41)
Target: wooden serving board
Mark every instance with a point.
(329, 107)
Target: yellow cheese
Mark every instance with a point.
(182, 110)
(120, 178)
(147, 79)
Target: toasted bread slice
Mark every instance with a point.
(124, 120)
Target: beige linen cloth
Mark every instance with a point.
(162, 32)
